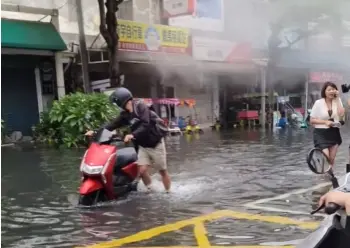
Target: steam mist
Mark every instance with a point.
(298, 36)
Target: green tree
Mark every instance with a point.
(297, 15)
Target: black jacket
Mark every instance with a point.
(142, 123)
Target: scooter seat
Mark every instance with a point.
(126, 156)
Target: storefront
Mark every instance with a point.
(32, 72)
(317, 67)
(221, 67)
(149, 56)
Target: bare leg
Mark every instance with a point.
(332, 153)
(326, 152)
(144, 175)
(165, 179)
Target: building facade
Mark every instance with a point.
(191, 51)
(32, 66)
(149, 65)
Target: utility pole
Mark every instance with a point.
(263, 97)
(82, 46)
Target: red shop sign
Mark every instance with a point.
(321, 77)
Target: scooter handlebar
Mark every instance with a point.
(331, 208)
(116, 138)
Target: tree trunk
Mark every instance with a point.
(108, 30)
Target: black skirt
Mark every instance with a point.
(327, 137)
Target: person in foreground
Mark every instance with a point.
(340, 198)
(325, 112)
(145, 133)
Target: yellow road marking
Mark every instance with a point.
(201, 235)
(150, 233)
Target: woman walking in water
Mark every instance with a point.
(324, 114)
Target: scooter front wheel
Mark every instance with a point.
(92, 198)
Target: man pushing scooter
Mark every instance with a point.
(147, 132)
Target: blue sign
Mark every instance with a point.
(209, 9)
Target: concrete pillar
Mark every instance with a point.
(263, 98)
(163, 108)
(58, 59)
(39, 94)
(61, 91)
(306, 95)
(215, 98)
(176, 96)
(55, 19)
(225, 102)
(154, 89)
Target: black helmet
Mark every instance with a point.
(120, 97)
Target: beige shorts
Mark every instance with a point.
(155, 157)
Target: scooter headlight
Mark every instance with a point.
(91, 170)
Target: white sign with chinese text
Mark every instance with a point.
(219, 50)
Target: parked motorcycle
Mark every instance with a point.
(108, 172)
(334, 231)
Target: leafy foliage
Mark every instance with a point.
(70, 117)
(324, 15)
(301, 20)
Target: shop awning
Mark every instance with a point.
(170, 59)
(30, 35)
(185, 61)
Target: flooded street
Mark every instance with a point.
(216, 171)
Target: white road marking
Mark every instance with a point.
(272, 209)
(254, 204)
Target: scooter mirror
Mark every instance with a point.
(318, 161)
(320, 169)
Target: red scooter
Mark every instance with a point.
(107, 172)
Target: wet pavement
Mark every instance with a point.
(214, 171)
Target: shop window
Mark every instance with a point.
(105, 56)
(295, 101)
(95, 56)
(47, 72)
(169, 92)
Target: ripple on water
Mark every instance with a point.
(218, 171)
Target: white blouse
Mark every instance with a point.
(320, 111)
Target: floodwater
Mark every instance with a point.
(211, 172)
